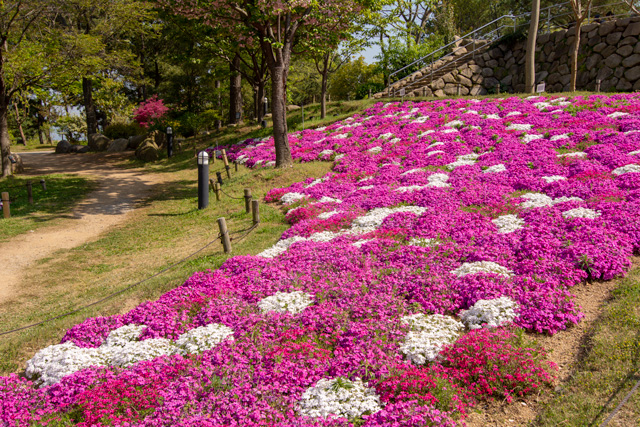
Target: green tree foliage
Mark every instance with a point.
(352, 76)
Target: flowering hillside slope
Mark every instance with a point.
(400, 292)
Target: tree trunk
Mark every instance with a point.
(89, 107)
(574, 55)
(39, 123)
(235, 91)
(530, 66)
(279, 117)
(323, 95)
(19, 122)
(5, 144)
(260, 101)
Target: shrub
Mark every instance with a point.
(122, 130)
(151, 114)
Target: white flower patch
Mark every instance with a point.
(581, 213)
(320, 129)
(531, 137)
(554, 178)
(51, 364)
(495, 169)
(617, 114)
(326, 215)
(341, 136)
(629, 132)
(270, 164)
(316, 182)
(428, 335)
(386, 136)
(326, 199)
(454, 124)
(280, 247)
(490, 313)
(339, 156)
(528, 98)
(366, 178)
(136, 351)
(204, 338)
(424, 242)
(124, 335)
(427, 132)
(281, 302)
(558, 100)
(339, 397)
(420, 120)
(431, 153)
(366, 187)
(633, 153)
(536, 200)
(632, 168)
(320, 141)
(259, 162)
(394, 141)
(492, 117)
(576, 154)
(436, 144)
(514, 113)
(450, 130)
(464, 160)
(242, 159)
(359, 243)
(410, 171)
(508, 223)
(564, 199)
(542, 105)
(325, 153)
(438, 180)
(471, 112)
(324, 236)
(559, 137)
(519, 126)
(289, 198)
(375, 150)
(410, 188)
(481, 267)
(375, 217)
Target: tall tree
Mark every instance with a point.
(579, 14)
(32, 50)
(278, 27)
(530, 62)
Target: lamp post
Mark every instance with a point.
(203, 180)
(169, 142)
(265, 103)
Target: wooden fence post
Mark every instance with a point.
(247, 200)
(226, 163)
(224, 235)
(44, 184)
(255, 209)
(30, 192)
(6, 210)
(216, 188)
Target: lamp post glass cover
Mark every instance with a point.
(169, 130)
(203, 158)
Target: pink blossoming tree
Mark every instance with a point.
(277, 26)
(150, 113)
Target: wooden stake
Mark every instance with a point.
(235, 164)
(216, 188)
(255, 209)
(226, 163)
(6, 210)
(247, 200)
(30, 192)
(44, 184)
(224, 235)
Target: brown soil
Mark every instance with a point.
(119, 191)
(564, 348)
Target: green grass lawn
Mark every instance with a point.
(608, 369)
(48, 206)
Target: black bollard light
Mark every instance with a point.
(169, 142)
(203, 180)
(265, 102)
(219, 177)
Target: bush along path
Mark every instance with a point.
(401, 293)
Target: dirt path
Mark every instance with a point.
(119, 191)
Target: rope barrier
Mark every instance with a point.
(231, 197)
(249, 230)
(621, 404)
(108, 297)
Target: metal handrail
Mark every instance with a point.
(514, 19)
(444, 47)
